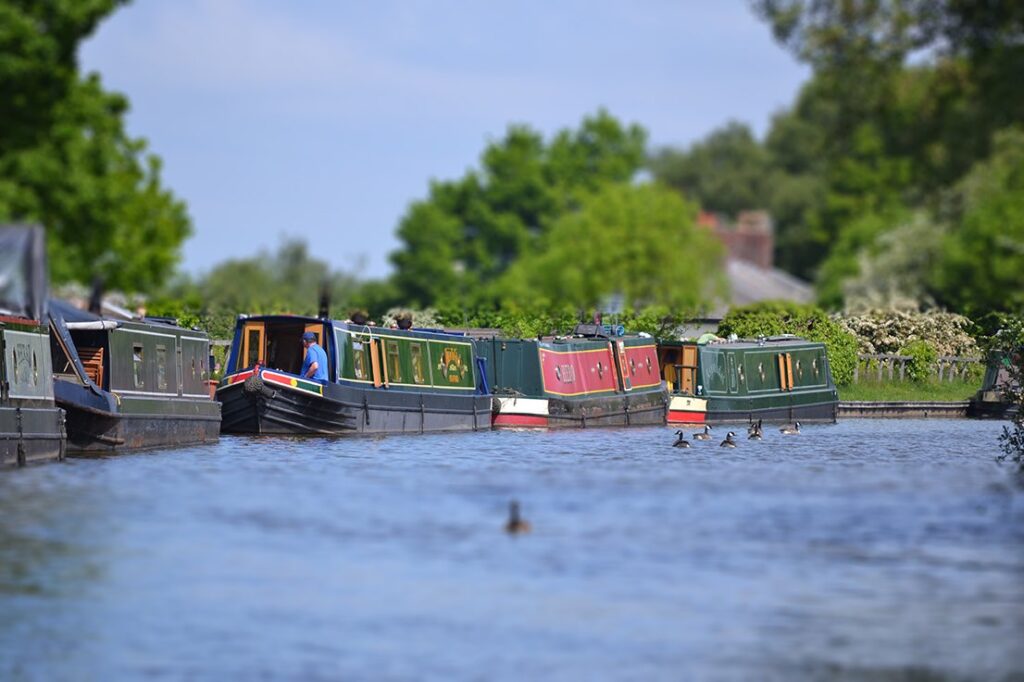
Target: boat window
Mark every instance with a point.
(161, 368)
(253, 346)
(760, 371)
(416, 354)
(137, 371)
(394, 361)
(359, 360)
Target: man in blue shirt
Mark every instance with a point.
(314, 365)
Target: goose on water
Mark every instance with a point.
(516, 524)
(729, 442)
(703, 435)
(791, 430)
(681, 441)
(754, 428)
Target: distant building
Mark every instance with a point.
(750, 266)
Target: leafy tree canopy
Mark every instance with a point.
(638, 242)
(469, 231)
(66, 160)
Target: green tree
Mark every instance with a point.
(983, 256)
(726, 171)
(639, 242)
(66, 160)
(467, 232)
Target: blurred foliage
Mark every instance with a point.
(922, 360)
(982, 267)
(771, 318)
(639, 243)
(467, 232)
(66, 160)
(886, 331)
(910, 102)
(287, 281)
(1008, 342)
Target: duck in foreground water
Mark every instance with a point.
(681, 441)
(793, 430)
(516, 525)
(703, 435)
(729, 442)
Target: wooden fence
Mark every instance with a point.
(894, 367)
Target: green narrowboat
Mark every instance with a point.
(588, 378)
(379, 380)
(130, 384)
(31, 423)
(779, 378)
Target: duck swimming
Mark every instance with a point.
(681, 441)
(516, 524)
(791, 430)
(729, 442)
(703, 435)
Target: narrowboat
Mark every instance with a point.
(994, 400)
(378, 380)
(781, 378)
(130, 384)
(31, 423)
(588, 378)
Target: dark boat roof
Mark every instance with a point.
(71, 313)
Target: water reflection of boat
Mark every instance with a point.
(778, 378)
(129, 384)
(381, 380)
(585, 379)
(31, 424)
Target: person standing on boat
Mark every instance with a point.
(314, 365)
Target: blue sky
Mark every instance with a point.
(324, 119)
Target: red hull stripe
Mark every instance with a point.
(503, 419)
(681, 417)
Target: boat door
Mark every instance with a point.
(627, 383)
(253, 348)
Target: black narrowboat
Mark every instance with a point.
(130, 384)
(31, 424)
(782, 378)
(379, 380)
(588, 378)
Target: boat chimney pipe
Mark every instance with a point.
(325, 301)
(96, 296)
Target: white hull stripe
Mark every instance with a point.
(686, 404)
(531, 406)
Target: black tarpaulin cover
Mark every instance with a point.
(23, 287)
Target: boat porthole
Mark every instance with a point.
(739, 373)
(648, 365)
(814, 366)
(799, 370)
(600, 370)
(760, 371)
(632, 366)
(558, 373)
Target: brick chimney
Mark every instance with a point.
(751, 238)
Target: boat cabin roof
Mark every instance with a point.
(782, 341)
(416, 332)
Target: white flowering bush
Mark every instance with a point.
(889, 331)
(423, 319)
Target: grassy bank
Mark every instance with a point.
(909, 390)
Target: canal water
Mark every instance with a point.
(864, 550)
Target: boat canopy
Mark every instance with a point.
(23, 278)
